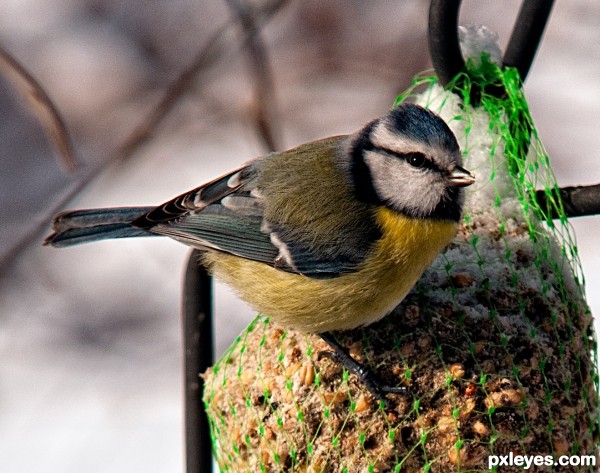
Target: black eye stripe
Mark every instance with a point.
(427, 163)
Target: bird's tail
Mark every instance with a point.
(82, 226)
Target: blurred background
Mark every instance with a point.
(90, 349)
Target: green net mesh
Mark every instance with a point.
(495, 341)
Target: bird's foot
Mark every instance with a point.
(373, 384)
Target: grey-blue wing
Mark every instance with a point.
(222, 215)
(196, 200)
(218, 228)
(333, 256)
(222, 229)
(227, 215)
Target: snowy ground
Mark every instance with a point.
(89, 337)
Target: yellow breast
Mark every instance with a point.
(397, 261)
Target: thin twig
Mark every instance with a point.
(42, 107)
(261, 71)
(226, 37)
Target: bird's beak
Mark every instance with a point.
(460, 177)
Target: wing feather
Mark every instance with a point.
(252, 213)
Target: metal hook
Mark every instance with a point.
(445, 48)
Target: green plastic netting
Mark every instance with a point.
(495, 342)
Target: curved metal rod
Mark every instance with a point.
(445, 48)
(578, 201)
(198, 356)
(527, 34)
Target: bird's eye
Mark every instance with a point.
(416, 160)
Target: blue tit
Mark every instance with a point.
(327, 236)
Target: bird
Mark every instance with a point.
(328, 236)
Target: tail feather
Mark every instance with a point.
(82, 226)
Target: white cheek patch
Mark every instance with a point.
(387, 169)
(376, 162)
(387, 174)
(410, 190)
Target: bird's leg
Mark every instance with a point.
(368, 378)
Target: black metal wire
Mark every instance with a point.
(444, 46)
(524, 41)
(577, 201)
(527, 34)
(198, 356)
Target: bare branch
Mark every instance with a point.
(261, 70)
(42, 107)
(227, 37)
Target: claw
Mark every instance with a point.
(368, 378)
